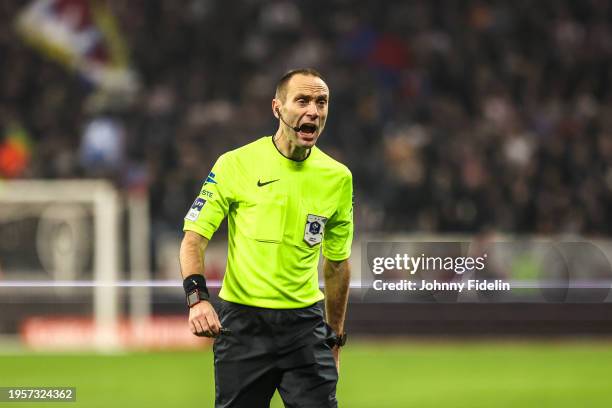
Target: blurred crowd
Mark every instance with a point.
(454, 116)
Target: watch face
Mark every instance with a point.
(193, 298)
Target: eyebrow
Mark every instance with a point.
(308, 97)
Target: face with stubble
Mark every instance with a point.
(304, 105)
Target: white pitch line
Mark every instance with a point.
(117, 284)
(98, 284)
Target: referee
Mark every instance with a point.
(285, 201)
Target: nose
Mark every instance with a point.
(312, 111)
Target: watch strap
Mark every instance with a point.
(341, 339)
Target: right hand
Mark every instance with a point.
(203, 320)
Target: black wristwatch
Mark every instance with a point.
(340, 340)
(196, 296)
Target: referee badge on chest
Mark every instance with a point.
(313, 231)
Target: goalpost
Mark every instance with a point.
(63, 210)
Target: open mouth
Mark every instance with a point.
(308, 128)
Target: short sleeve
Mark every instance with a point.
(338, 236)
(212, 204)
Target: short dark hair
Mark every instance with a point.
(281, 85)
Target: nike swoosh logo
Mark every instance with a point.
(260, 184)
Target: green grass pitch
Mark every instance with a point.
(373, 375)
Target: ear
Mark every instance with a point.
(275, 107)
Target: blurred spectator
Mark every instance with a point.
(15, 151)
(101, 150)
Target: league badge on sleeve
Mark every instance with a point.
(315, 226)
(196, 207)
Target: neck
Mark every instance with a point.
(289, 149)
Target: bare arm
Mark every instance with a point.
(203, 320)
(337, 278)
(191, 256)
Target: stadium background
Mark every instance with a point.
(462, 120)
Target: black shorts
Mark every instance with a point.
(286, 350)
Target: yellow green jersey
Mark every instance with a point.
(281, 213)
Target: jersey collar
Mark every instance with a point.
(287, 158)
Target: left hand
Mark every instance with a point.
(336, 353)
